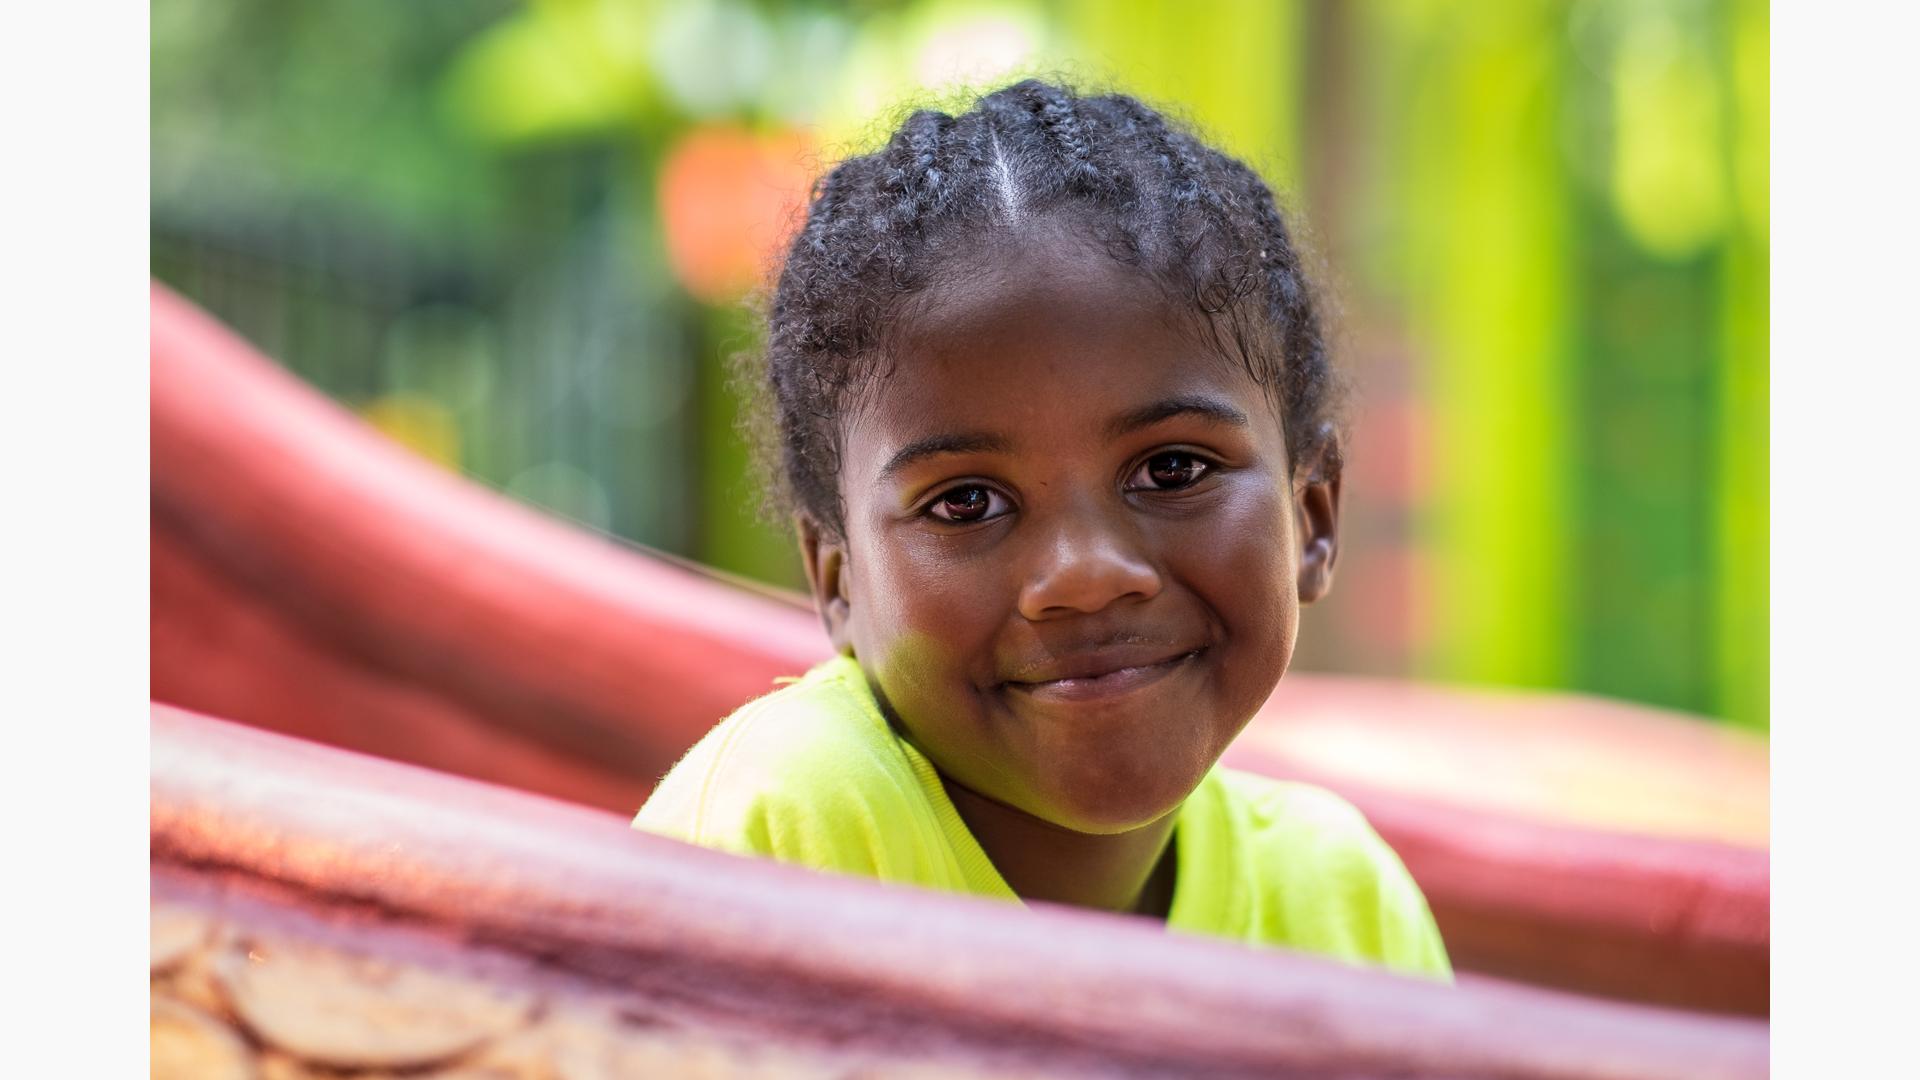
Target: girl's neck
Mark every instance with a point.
(1125, 872)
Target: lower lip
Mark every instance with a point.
(1105, 688)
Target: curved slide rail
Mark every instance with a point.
(310, 577)
(352, 913)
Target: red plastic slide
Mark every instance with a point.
(350, 914)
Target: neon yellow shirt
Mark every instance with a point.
(813, 774)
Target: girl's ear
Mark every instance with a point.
(1316, 515)
(825, 561)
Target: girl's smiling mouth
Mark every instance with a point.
(1100, 676)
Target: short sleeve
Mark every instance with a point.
(1406, 939)
(1310, 873)
(803, 776)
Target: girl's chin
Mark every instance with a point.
(1108, 813)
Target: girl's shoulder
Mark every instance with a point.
(780, 765)
(1308, 870)
(1292, 810)
(821, 724)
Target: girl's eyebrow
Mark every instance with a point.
(1209, 409)
(1206, 408)
(934, 445)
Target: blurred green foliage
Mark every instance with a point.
(517, 235)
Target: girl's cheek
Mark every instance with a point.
(909, 660)
(1254, 521)
(1247, 566)
(914, 602)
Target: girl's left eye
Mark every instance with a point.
(1169, 471)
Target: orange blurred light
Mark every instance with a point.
(729, 199)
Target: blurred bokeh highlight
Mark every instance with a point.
(521, 238)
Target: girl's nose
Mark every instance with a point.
(1082, 567)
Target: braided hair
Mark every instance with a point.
(879, 227)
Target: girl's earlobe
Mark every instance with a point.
(1316, 569)
(1317, 518)
(826, 562)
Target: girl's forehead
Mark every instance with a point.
(1040, 341)
(1049, 320)
(1021, 370)
(977, 285)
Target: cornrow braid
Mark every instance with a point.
(880, 226)
(1061, 121)
(912, 173)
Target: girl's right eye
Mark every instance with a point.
(967, 504)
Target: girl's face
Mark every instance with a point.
(1074, 554)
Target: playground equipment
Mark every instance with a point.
(350, 913)
(312, 579)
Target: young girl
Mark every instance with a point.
(1055, 421)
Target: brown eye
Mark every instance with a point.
(966, 504)
(1173, 469)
